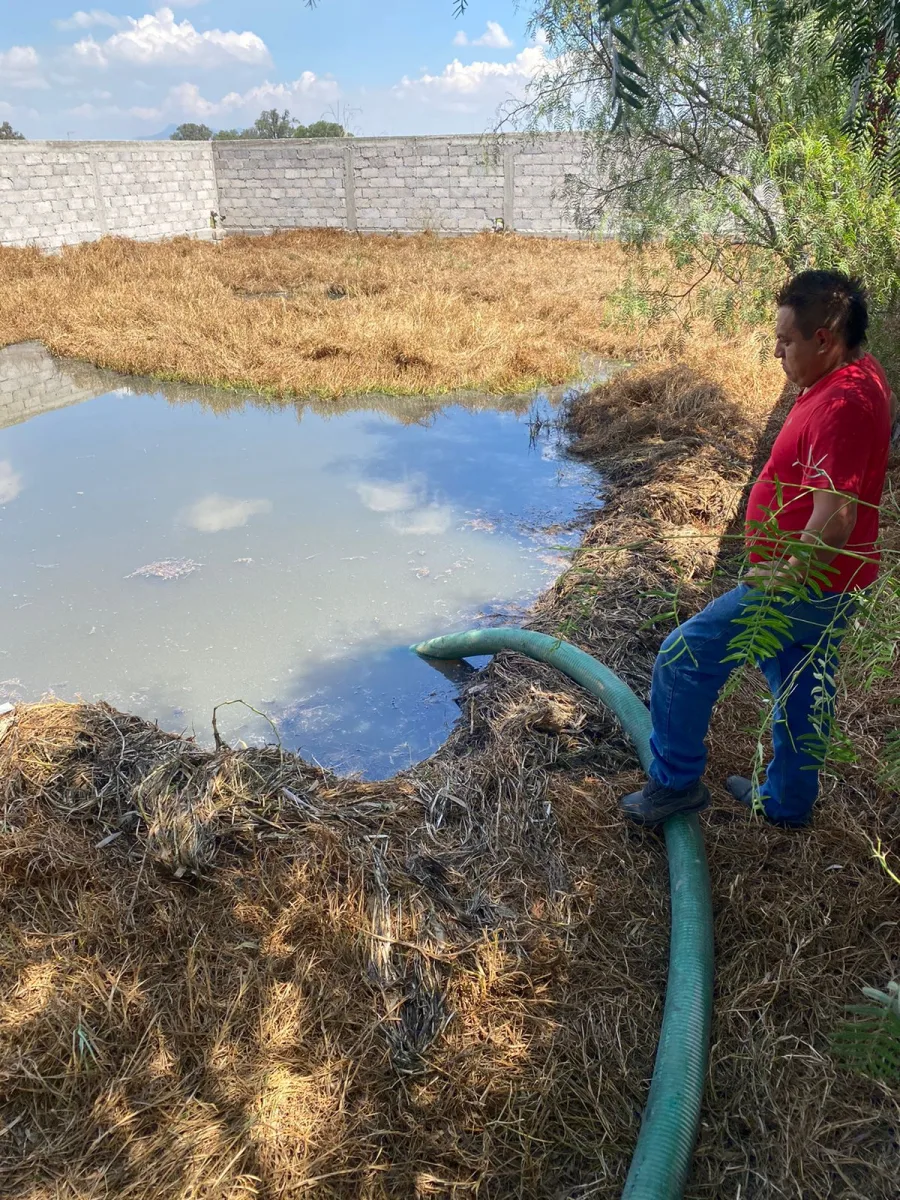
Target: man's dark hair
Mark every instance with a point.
(828, 300)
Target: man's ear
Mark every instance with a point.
(824, 339)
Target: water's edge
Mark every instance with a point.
(328, 530)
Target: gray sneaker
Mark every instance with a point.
(741, 788)
(655, 803)
(744, 792)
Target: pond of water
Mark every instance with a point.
(169, 548)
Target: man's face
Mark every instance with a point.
(805, 360)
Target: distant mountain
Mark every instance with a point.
(162, 136)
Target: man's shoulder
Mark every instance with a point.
(870, 373)
(860, 387)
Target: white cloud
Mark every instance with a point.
(214, 513)
(93, 112)
(87, 111)
(304, 97)
(20, 67)
(186, 99)
(494, 36)
(11, 110)
(88, 54)
(10, 483)
(462, 88)
(159, 40)
(87, 20)
(144, 114)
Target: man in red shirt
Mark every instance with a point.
(812, 529)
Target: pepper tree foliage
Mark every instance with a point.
(864, 47)
(741, 128)
(861, 42)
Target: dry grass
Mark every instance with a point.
(274, 982)
(330, 313)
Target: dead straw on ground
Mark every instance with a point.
(230, 974)
(329, 313)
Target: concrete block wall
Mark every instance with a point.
(407, 184)
(286, 184)
(441, 184)
(54, 193)
(541, 167)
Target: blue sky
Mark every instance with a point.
(126, 70)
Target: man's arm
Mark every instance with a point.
(828, 531)
(836, 455)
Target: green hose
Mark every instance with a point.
(662, 1157)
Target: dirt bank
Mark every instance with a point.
(230, 974)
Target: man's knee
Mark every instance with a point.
(678, 643)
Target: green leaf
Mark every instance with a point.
(870, 1045)
(632, 86)
(629, 64)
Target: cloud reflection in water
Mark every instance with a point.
(10, 482)
(214, 513)
(408, 506)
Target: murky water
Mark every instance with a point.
(172, 549)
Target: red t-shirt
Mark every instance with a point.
(837, 436)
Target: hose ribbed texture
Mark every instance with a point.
(665, 1145)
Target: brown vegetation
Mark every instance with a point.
(229, 974)
(330, 313)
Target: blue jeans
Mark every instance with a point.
(690, 672)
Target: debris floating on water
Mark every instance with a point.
(166, 568)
